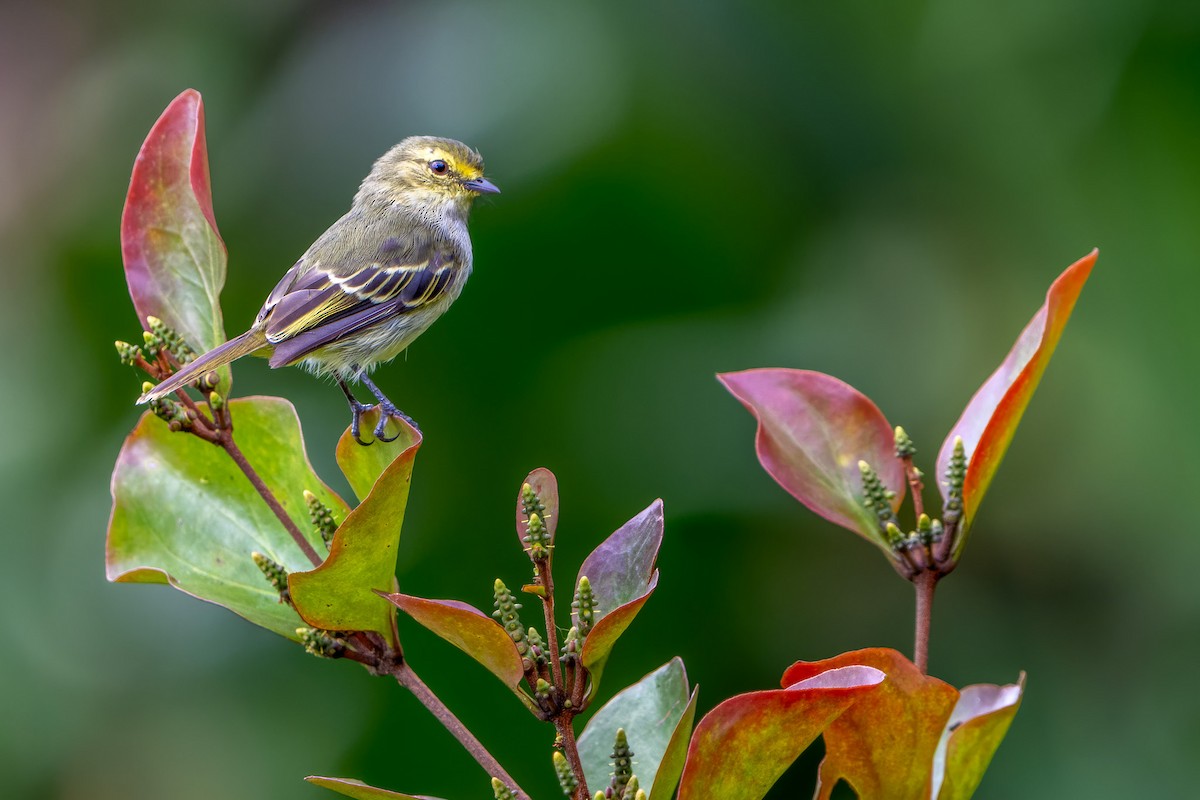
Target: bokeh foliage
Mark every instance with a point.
(840, 187)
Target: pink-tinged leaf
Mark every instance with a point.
(884, 745)
(657, 714)
(812, 431)
(174, 257)
(340, 595)
(545, 485)
(468, 629)
(184, 514)
(991, 418)
(743, 745)
(621, 571)
(975, 729)
(361, 791)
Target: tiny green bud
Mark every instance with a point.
(320, 643)
(566, 778)
(622, 763)
(876, 497)
(895, 536)
(584, 606)
(321, 517)
(152, 343)
(631, 788)
(904, 445)
(506, 614)
(501, 791)
(275, 574)
(215, 401)
(127, 352)
(147, 387)
(543, 688)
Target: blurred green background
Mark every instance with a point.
(879, 191)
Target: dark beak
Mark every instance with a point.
(482, 185)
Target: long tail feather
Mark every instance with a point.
(219, 356)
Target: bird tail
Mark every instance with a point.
(219, 356)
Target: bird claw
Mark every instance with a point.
(357, 410)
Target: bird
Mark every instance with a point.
(373, 282)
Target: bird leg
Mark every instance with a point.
(389, 410)
(357, 409)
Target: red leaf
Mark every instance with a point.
(991, 418)
(743, 745)
(174, 257)
(915, 737)
(468, 629)
(812, 431)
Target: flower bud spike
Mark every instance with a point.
(956, 473)
(566, 778)
(127, 352)
(153, 343)
(501, 791)
(506, 614)
(321, 517)
(275, 574)
(320, 643)
(537, 537)
(904, 445)
(876, 497)
(895, 536)
(622, 763)
(631, 788)
(530, 502)
(171, 340)
(584, 606)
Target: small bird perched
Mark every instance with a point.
(373, 282)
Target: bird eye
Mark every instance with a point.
(438, 167)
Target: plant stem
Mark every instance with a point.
(925, 582)
(405, 676)
(916, 485)
(566, 735)
(547, 580)
(229, 446)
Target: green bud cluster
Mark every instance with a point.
(956, 473)
(321, 517)
(501, 791)
(168, 338)
(928, 530)
(876, 497)
(632, 789)
(152, 344)
(506, 615)
(169, 410)
(542, 690)
(904, 445)
(622, 764)
(584, 606)
(127, 352)
(275, 574)
(566, 778)
(320, 643)
(571, 647)
(537, 534)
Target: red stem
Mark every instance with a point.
(925, 583)
(405, 676)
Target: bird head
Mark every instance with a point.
(428, 172)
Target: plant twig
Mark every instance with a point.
(566, 736)
(405, 676)
(226, 442)
(925, 582)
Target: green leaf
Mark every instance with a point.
(340, 595)
(184, 514)
(361, 791)
(657, 714)
(468, 629)
(743, 745)
(622, 573)
(174, 257)
(914, 734)
(991, 418)
(361, 465)
(975, 729)
(813, 429)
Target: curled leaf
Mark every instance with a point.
(743, 745)
(622, 573)
(989, 421)
(339, 595)
(361, 791)
(174, 257)
(813, 430)
(468, 629)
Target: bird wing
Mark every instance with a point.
(316, 305)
